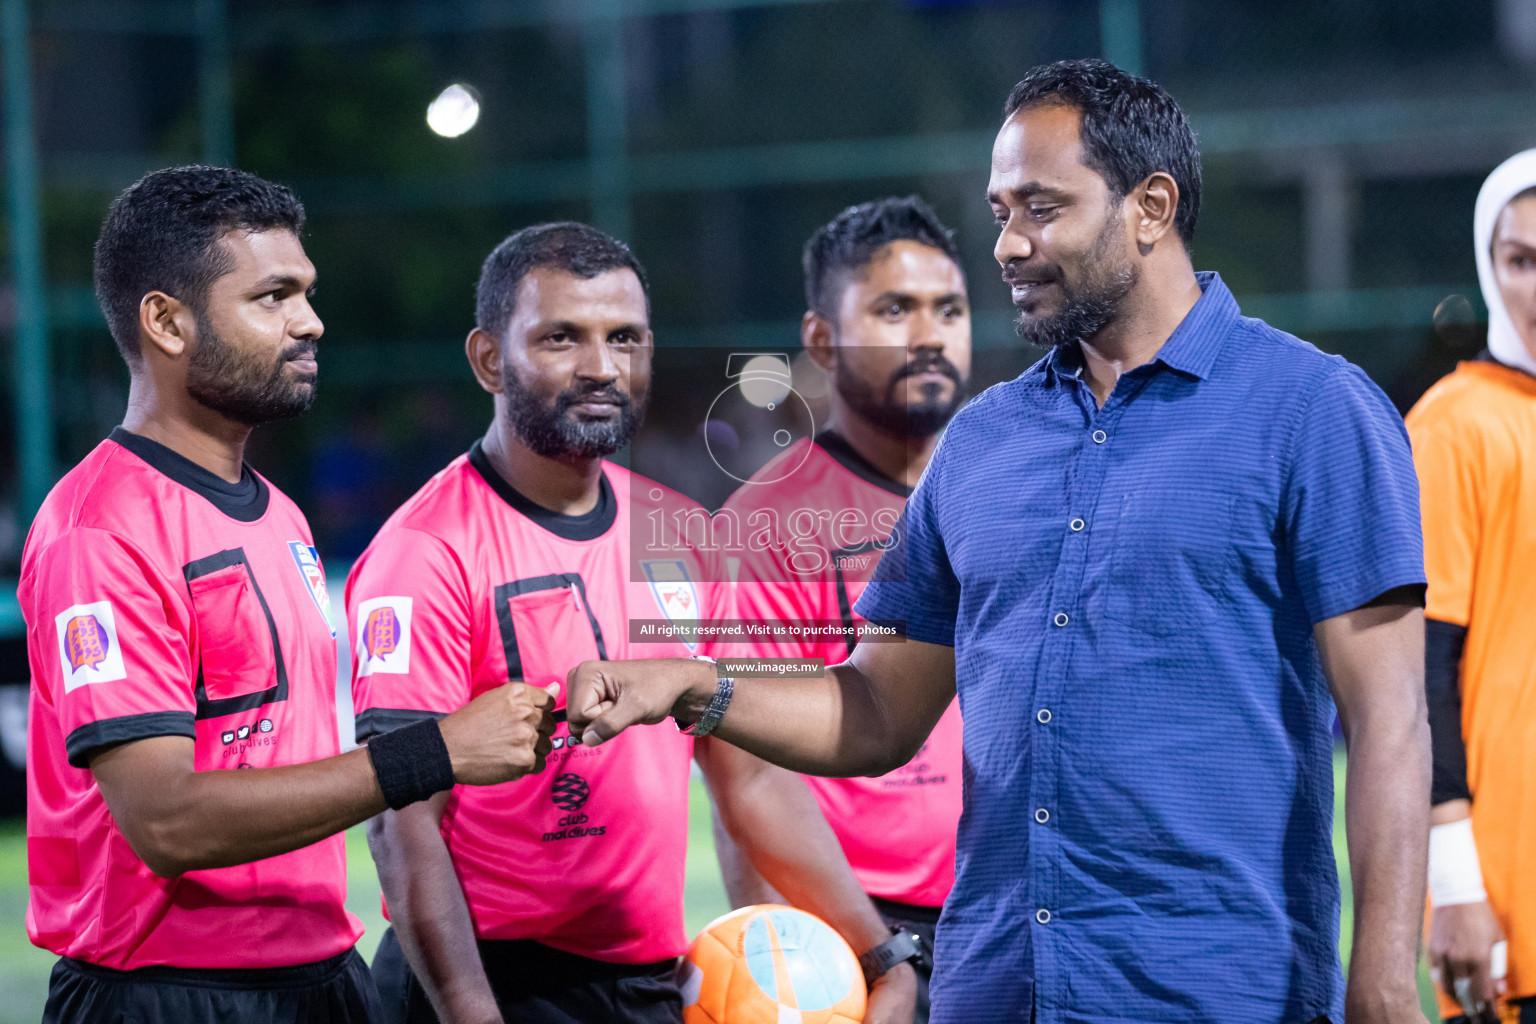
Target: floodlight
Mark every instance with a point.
(454, 112)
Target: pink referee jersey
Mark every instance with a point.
(470, 585)
(161, 600)
(898, 830)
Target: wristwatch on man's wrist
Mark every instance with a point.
(724, 688)
(903, 945)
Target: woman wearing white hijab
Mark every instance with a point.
(1474, 442)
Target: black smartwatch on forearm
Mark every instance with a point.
(904, 945)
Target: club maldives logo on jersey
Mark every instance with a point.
(384, 636)
(570, 793)
(674, 591)
(314, 578)
(88, 647)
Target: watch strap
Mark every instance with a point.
(724, 689)
(903, 945)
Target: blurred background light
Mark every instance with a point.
(454, 112)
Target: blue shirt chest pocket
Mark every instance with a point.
(1172, 558)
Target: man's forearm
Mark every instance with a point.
(744, 887)
(1387, 824)
(179, 819)
(1374, 658)
(429, 913)
(830, 726)
(212, 819)
(867, 716)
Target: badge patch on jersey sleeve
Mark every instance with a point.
(88, 647)
(314, 578)
(674, 591)
(384, 636)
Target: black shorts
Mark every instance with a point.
(924, 921)
(535, 984)
(334, 991)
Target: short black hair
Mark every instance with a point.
(1131, 128)
(845, 245)
(568, 245)
(162, 234)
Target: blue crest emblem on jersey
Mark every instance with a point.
(674, 591)
(308, 560)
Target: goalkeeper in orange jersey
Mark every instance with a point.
(1474, 438)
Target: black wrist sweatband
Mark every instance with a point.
(411, 763)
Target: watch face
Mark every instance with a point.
(756, 418)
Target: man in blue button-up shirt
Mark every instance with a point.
(1145, 562)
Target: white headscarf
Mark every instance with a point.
(1508, 180)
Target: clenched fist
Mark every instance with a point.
(604, 698)
(501, 735)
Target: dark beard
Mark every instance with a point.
(239, 387)
(895, 417)
(1089, 307)
(550, 432)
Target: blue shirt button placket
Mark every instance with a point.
(1051, 684)
(1047, 842)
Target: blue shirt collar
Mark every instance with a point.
(1191, 349)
